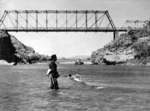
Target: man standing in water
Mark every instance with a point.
(53, 72)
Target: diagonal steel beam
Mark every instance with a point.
(3, 18)
(110, 20)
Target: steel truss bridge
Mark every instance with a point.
(136, 24)
(58, 21)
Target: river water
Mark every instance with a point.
(105, 88)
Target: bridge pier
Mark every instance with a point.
(115, 34)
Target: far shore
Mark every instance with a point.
(71, 62)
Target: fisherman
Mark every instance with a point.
(52, 72)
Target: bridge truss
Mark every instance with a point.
(57, 21)
(136, 24)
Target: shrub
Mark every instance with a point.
(142, 49)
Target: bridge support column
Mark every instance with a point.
(115, 34)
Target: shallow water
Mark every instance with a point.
(120, 88)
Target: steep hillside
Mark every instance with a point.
(131, 48)
(14, 51)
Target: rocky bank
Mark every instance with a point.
(14, 52)
(131, 48)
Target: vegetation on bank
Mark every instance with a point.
(132, 43)
(13, 51)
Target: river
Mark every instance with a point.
(105, 88)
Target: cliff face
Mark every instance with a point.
(7, 50)
(129, 48)
(13, 50)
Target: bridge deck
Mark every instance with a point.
(65, 30)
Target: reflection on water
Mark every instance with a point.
(26, 88)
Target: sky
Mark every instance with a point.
(71, 44)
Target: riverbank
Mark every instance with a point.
(131, 48)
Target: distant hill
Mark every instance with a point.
(82, 57)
